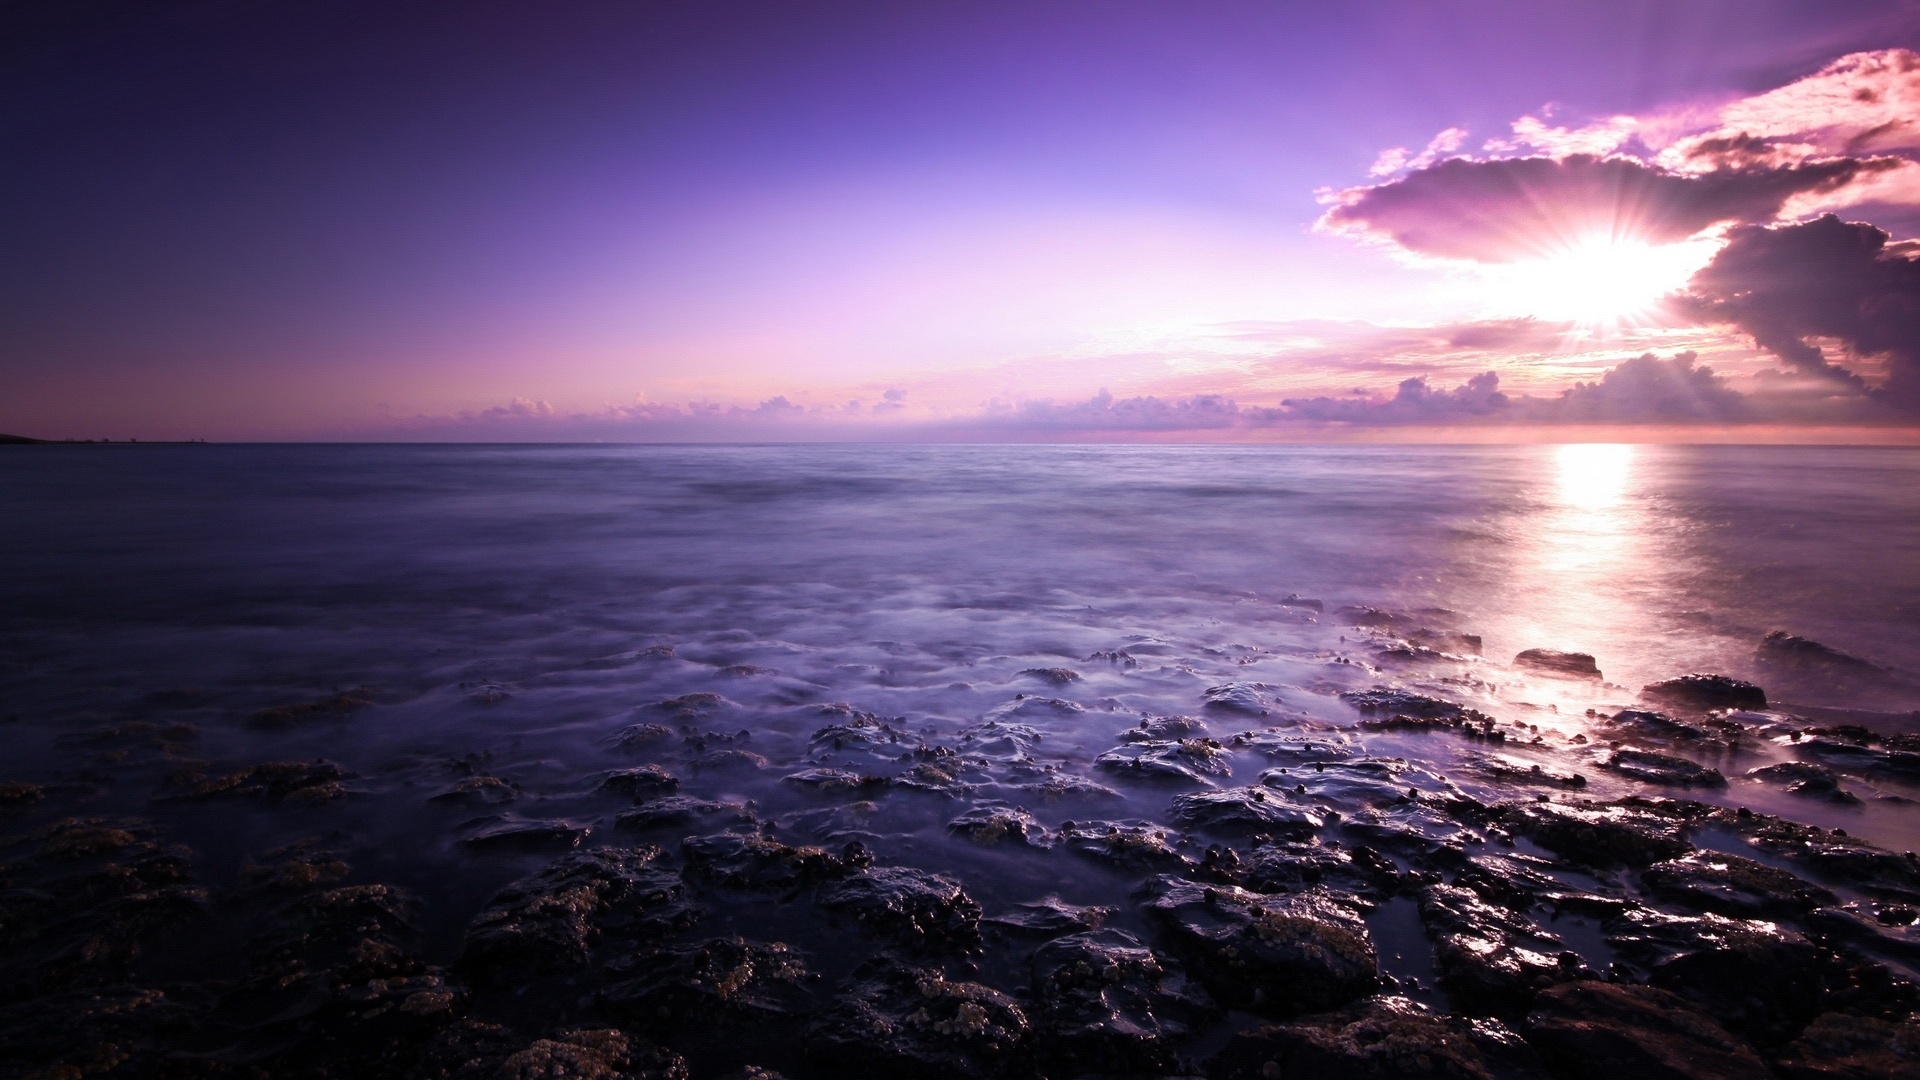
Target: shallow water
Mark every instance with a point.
(512, 610)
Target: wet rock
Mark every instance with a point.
(1811, 664)
(1049, 918)
(996, 738)
(474, 1050)
(1245, 811)
(1603, 1031)
(303, 864)
(478, 791)
(919, 909)
(509, 832)
(642, 783)
(300, 782)
(1642, 724)
(1832, 856)
(90, 1032)
(1734, 886)
(1063, 787)
(1357, 784)
(1164, 729)
(725, 982)
(1492, 959)
(1298, 601)
(833, 781)
(1703, 692)
(991, 824)
(1385, 702)
(639, 735)
(1058, 676)
(1384, 1038)
(20, 793)
(691, 706)
(1599, 835)
(1564, 665)
(860, 731)
(680, 811)
(840, 824)
(1247, 699)
(1369, 617)
(1119, 658)
(749, 861)
(1125, 845)
(1273, 955)
(1285, 866)
(729, 760)
(1838, 1046)
(333, 705)
(1657, 768)
(1106, 1001)
(1804, 778)
(892, 1019)
(1031, 706)
(941, 777)
(1449, 641)
(1869, 936)
(1857, 750)
(554, 919)
(1292, 749)
(1193, 761)
(1508, 770)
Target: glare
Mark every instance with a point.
(1597, 282)
(1592, 476)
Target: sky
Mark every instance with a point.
(960, 221)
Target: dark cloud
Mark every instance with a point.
(1514, 208)
(1647, 388)
(1824, 278)
(1414, 402)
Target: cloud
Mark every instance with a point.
(1647, 388)
(1413, 402)
(1825, 278)
(1506, 209)
(1862, 103)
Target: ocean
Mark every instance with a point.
(864, 644)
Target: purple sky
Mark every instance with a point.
(1036, 220)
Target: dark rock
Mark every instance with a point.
(303, 782)
(1164, 729)
(1832, 855)
(1248, 699)
(1451, 641)
(991, 824)
(554, 919)
(1385, 702)
(861, 731)
(1565, 665)
(333, 705)
(833, 781)
(1193, 761)
(1734, 886)
(1642, 724)
(1119, 658)
(680, 811)
(1245, 811)
(1368, 616)
(1385, 1038)
(911, 906)
(474, 1050)
(1508, 770)
(725, 982)
(728, 760)
(1704, 692)
(1838, 1046)
(517, 832)
(1106, 1001)
(1658, 768)
(892, 1019)
(478, 791)
(1492, 959)
(1601, 836)
(1296, 600)
(1059, 787)
(1050, 917)
(1274, 955)
(1810, 664)
(293, 867)
(1124, 845)
(1058, 676)
(1602, 1031)
(1292, 748)
(1806, 779)
(643, 735)
(749, 861)
(20, 793)
(1284, 866)
(642, 783)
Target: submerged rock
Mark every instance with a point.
(554, 919)
(1703, 692)
(991, 824)
(1246, 811)
(475, 1050)
(518, 832)
(833, 781)
(1602, 1031)
(1107, 1001)
(20, 793)
(919, 909)
(1565, 665)
(1731, 885)
(1385, 702)
(1193, 761)
(307, 782)
(1125, 845)
(1058, 676)
(1274, 955)
(1641, 723)
(476, 791)
(1248, 699)
(750, 861)
(1049, 917)
(892, 1019)
(1164, 729)
(1384, 1038)
(729, 760)
(1657, 768)
(1601, 835)
(725, 982)
(679, 811)
(642, 783)
(1839, 1046)
(1492, 959)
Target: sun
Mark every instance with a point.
(1596, 282)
